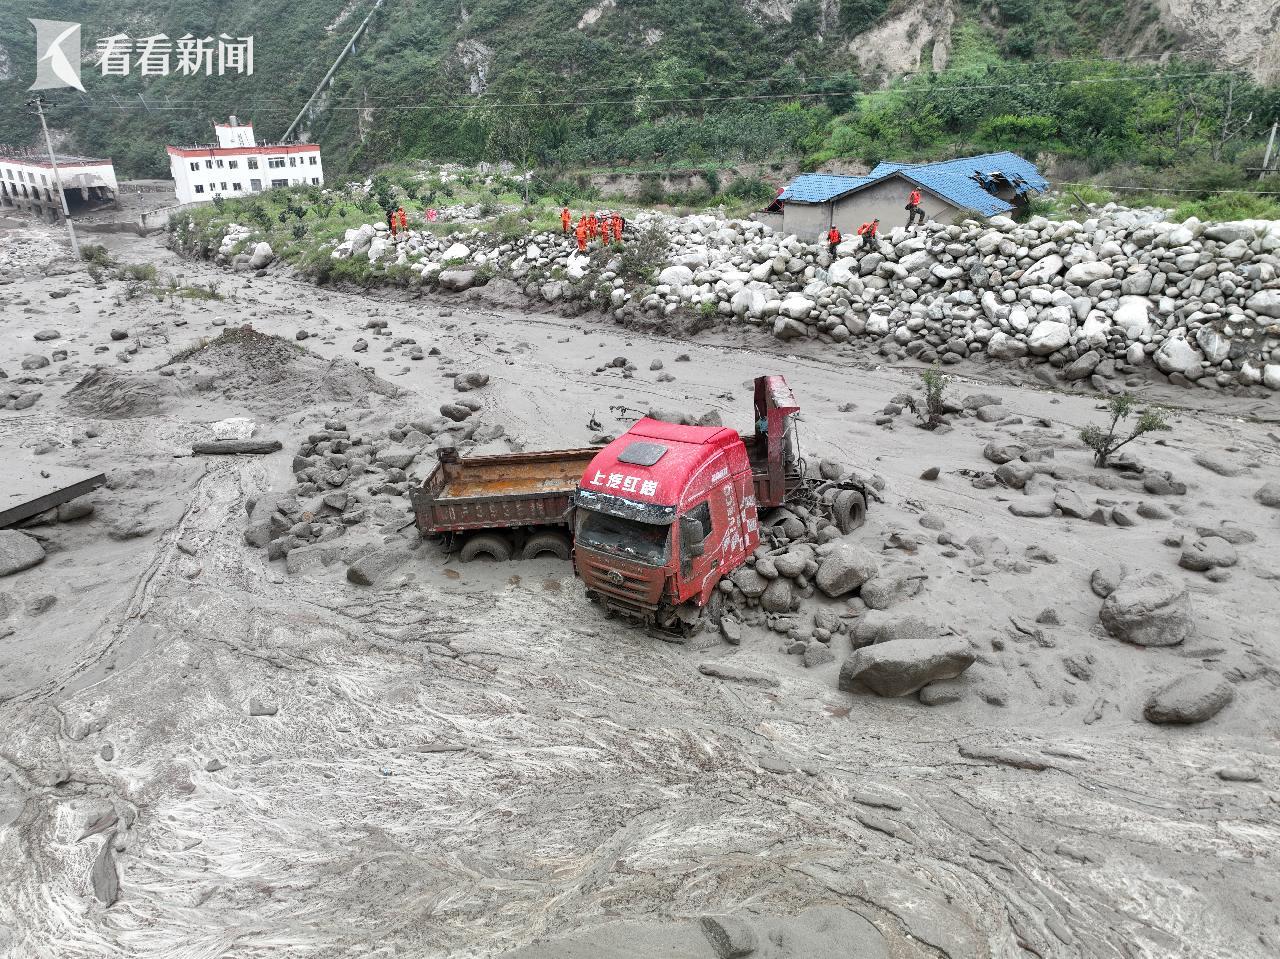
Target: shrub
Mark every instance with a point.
(1104, 441)
(935, 384)
(641, 256)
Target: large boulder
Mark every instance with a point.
(1048, 336)
(1082, 274)
(1002, 346)
(372, 568)
(1192, 698)
(796, 307)
(1268, 494)
(456, 252)
(1042, 271)
(262, 256)
(1176, 355)
(457, 279)
(1133, 315)
(1208, 553)
(676, 276)
(1148, 609)
(18, 552)
(901, 666)
(843, 568)
(1265, 303)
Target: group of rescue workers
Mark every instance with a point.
(397, 220)
(868, 233)
(607, 227)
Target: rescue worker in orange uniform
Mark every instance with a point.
(868, 233)
(404, 220)
(565, 218)
(582, 234)
(913, 207)
(833, 239)
(617, 227)
(391, 223)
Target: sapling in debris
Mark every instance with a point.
(935, 386)
(1104, 441)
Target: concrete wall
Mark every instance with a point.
(808, 221)
(887, 200)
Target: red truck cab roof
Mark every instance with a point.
(664, 464)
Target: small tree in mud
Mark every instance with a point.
(929, 412)
(1105, 441)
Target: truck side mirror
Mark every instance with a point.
(692, 536)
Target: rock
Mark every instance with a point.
(34, 362)
(750, 582)
(1269, 494)
(1071, 504)
(18, 552)
(1265, 303)
(888, 589)
(103, 876)
(1083, 366)
(736, 674)
(731, 630)
(1192, 698)
(1002, 346)
(777, 596)
(1148, 609)
(676, 276)
(457, 279)
(1048, 336)
(1216, 464)
(1208, 553)
(1015, 474)
(455, 411)
(373, 568)
(466, 382)
(902, 666)
(1082, 274)
(455, 253)
(933, 472)
(817, 654)
(843, 568)
(941, 694)
(262, 707)
(262, 256)
(1176, 355)
(396, 457)
(1032, 508)
(45, 335)
(731, 938)
(1001, 453)
(1238, 774)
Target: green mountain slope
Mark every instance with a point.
(662, 81)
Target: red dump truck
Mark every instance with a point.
(653, 521)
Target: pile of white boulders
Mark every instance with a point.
(1095, 299)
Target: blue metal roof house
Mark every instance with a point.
(951, 189)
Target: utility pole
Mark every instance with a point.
(57, 177)
(1266, 158)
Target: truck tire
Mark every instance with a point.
(486, 546)
(546, 544)
(849, 510)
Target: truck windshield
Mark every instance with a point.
(643, 542)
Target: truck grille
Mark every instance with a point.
(632, 586)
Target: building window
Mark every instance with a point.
(44, 179)
(311, 160)
(255, 185)
(196, 165)
(275, 163)
(233, 164)
(208, 164)
(315, 180)
(279, 182)
(222, 185)
(236, 187)
(219, 164)
(293, 161)
(199, 187)
(252, 163)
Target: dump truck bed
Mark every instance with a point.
(489, 492)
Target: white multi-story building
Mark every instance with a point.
(238, 165)
(27, 183)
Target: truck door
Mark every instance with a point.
(701, 560)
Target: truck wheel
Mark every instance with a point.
(546, 544)
(486, 546)
(849, 510)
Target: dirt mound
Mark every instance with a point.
(112, 394)
(275, 376)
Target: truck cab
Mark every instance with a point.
(666, 511)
